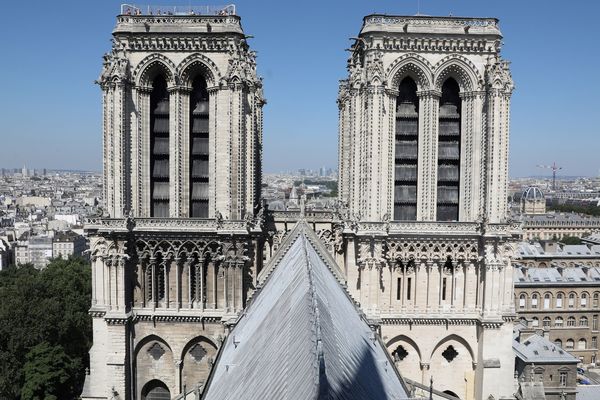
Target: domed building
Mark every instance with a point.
(533, 201)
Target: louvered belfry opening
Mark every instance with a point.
(159, 144)
(449, 152)
(407, 147)
(199, 152)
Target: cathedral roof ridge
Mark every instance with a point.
(335, 352)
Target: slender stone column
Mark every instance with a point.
(219, 189)
(94, 271)
(153, 280)
(183, 155)
(108, 263)
(428, 153)
(143, 279)
(178, 263)
(143, 150)
(174, 151)
(166, 270)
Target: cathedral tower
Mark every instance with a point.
(423, 158)
(176, 253)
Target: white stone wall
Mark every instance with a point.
(455, 278)
(382, 58)
(235, 121)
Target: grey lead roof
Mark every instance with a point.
(537, 349)
(551, 275)
(588, 392)
(302, 337)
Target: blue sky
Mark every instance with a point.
(51, 53)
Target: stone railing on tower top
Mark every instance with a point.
(133, 9)
(432, 25)
(158, 19)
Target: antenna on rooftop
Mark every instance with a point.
(418, 7)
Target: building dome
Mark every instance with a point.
(533, 193)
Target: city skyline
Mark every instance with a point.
(65, 132)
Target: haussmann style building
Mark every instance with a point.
(200, 291)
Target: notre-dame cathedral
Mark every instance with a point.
(420, 237)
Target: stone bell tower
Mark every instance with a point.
(177, 251)
(423, 170)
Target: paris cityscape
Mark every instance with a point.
(422, 241)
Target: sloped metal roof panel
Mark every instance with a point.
(302, 337)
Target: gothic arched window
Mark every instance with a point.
(159, 148)
(448, 182)
(199, 149)
(407, 138)
(155, 390)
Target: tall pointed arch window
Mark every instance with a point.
(159, 145)
(407, 138)
(199, 149)
(449, 152)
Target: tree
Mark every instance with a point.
(570, 240)
(50, 374)
(44, 307)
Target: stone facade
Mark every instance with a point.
(423, 158)
(566, 303)
(169, 279)
(544, 370)
(182, 122)
(555, 226)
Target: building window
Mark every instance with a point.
(444, 288)
(582, 344)
(583, 321)
(546, 301)
(407, 151)
(595, 301)
(571, 300)
(595, 323)
(522, 300)
(399, 289)
(535, 322)
(570, 344)
(571, 321)
(400, 353)
(408, 288)
(583, 300)
(159, 145)
(450, 353)
(559, 300)
(534, 300)
(546, 322)
(562, 379)
(594, 342)
(558, 342)
(449, 152)
(558, 322)
(199, 149)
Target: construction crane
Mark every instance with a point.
(554, 168)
